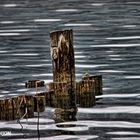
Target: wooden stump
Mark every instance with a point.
(8, 110)
(85, 93)
(24, 106)
(39, 103)
(62, 54)
(34, 84)
(98, 83)
(18, 113)
(2, 109)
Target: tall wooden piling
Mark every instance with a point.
(62, 54)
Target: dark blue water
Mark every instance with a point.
(106, 41)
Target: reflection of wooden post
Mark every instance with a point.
(98, 83)
(85, 93)
(63, 62)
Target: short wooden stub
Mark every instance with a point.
(49, 97)
(25, 106)
(8, 110)
(62, 54)
(34, 84)
(39, 103)
(98, 83)
(2, 109)
(85, 93)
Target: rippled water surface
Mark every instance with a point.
(106, 41)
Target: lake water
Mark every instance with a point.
(106, 42)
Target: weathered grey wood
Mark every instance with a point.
(62, 54)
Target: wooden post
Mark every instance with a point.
(39, 103)
(85, 91)
(2, 109)
(8, 109)
(62, 54)
(16, 108)
(24, 106)
(34, 84)
(98, 83)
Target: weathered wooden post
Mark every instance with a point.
(62, 54)
(39, 103)
(98, 82)
(24, 105)
(8, 109)
(2, 110)
(85, 93)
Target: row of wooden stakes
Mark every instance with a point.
(56, 95)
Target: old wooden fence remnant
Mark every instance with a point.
(63, 93)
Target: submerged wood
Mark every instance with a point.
(62, 54)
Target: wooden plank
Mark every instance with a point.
(8, 109)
